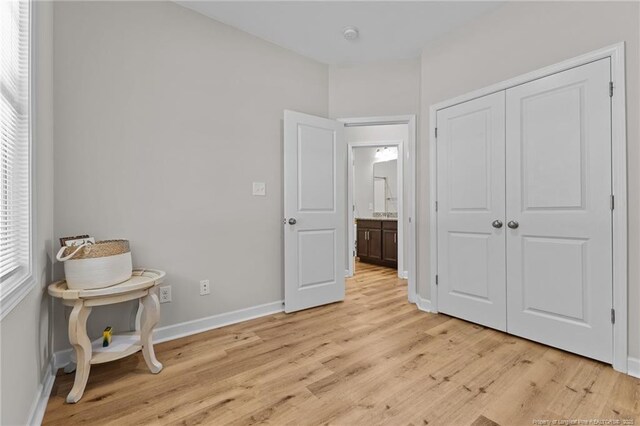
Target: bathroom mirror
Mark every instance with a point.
(385, 184)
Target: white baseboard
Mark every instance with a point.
(423, 304)
(188, 328)
(39, 405)
(404, 275)
(633, 367)
(183, 329)
(61, 358)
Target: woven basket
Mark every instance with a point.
(98, 265)
(98, 249)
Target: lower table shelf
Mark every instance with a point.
(122, 345)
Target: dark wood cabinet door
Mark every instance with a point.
(375, 243)
(390, 245)
(363, 243)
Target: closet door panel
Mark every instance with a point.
(471, 196)
(559, 258)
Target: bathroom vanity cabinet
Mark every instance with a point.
(377, 241)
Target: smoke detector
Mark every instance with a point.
(350, 33)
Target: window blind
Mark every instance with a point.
(15, 202)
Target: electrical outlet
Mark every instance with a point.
(165, 294)
(204, 287)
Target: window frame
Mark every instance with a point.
(20, 283)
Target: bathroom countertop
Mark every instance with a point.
(377, 218)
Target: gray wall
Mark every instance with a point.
(25, 331)
(164, 118)
(515, 39)
(389, 88)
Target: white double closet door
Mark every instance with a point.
(524, 210)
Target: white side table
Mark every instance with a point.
(142, 286)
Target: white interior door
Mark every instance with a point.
(314, 197)
(559, 267)
(471, 198)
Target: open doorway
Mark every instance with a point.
(319, 240)
(381, 195)
(377, 203)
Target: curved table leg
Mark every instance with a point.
(82, 346)
(138, 320)
(151, 316)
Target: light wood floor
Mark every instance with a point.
(374, 359)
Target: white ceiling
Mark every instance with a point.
(388, 29)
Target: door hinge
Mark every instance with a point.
(612, 202)
(436, 131)
(613, 316)
(436, 279)
(611, 89)
(436, 206)
(354, 253)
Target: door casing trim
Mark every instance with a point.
(619, 181)
(409, 152)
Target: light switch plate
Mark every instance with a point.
(259, 189)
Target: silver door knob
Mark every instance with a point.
(497, 224)
(513, 224)
(292, 221)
